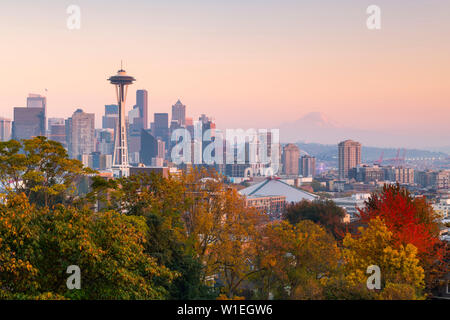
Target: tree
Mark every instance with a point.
(295, 259)
(324, 212)
(41, 169)
(18, 234)
(38, 244)
(221, 229)
(376, 245)
(411, 221)
(162, 202)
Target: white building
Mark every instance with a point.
(442, 208)
(352, 204)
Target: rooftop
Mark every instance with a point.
(276, 187)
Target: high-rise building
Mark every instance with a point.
(105, 141)
(80, 134)
(151, 148)
(291, 155)
(307, 166)
(121, 81)
(28, 123)
(349, 157)
(111, 109)
(142, 104)
(57, 130)
(111, 117)
(161, 127)
(138, 116)
(5, 129)
(38, 101)
(179, 113)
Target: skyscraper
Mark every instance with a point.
(161, 127)
(291, 154)
(5, 129)
(151, 148)
(349, 156)
(105, 141)
(142, 104)
(138, 116)
(38, 101)
(307, 166)
(120, 160)
(179, 113)
(57, 130)
(80, 134)
(28, 123)
(111, 117)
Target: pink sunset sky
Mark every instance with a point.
(245, 63)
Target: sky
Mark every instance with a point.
(248, 64)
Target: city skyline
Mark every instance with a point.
(267, 70)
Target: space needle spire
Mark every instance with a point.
(121, 166)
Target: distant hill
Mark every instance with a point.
(369, 154)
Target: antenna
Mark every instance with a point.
(121, 65)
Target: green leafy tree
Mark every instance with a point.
(38, 244)
(324, 212)
(41, 169)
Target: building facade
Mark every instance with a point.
(290, 159)
(5, 129)
(57, 130)
(349, 157)
(404, 175)
(307, 166)
(28, 123)
(179, 113)
(80, 134)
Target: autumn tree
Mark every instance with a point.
(411, 221)
(294, 259)
(401, 273)
(18, 234)
(41, 169)
(324, 212)
(162, 203)
(222, 230)
(38, 244)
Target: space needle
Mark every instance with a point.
(121, 167)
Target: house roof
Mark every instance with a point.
(276, 187)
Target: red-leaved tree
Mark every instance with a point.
(402, 216)
(411, 220)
